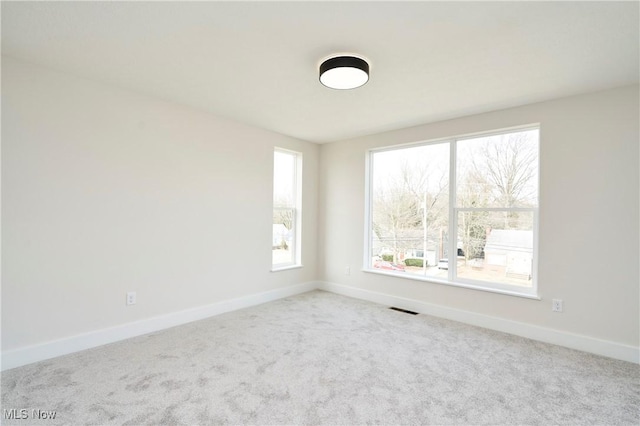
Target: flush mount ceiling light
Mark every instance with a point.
(344, 72)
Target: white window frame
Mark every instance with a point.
(452, 278)
(296, 206)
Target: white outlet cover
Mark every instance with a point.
(556, 305)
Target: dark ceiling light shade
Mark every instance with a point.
(344, 72)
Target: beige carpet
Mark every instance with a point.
(319, 358)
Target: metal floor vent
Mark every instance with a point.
(403, 310)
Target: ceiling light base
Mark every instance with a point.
(344, 72)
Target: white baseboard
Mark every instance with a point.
(27, 355)
(548, 335)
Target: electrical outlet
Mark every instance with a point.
(556, 305)
(131, 298)
(347, 270)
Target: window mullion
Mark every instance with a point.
(453, 214)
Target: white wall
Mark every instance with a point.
(588, 216)
(106, 191)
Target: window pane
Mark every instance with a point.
(410, 202)
(498, 171)
(286, 208)
(284, 179)
(283, 236)
(496, 246)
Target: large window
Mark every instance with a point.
(287, 174)
(462, 211)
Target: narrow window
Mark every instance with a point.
(287, 167)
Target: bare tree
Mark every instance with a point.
(473, 192)
(283, 216)
(395, 213)
(501, 173)
(401, 206)
(509, 166)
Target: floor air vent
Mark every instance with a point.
(403, 310)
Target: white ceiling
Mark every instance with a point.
(257, 62)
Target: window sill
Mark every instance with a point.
(455, 284)
(285, 268)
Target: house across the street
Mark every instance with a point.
(510, 252)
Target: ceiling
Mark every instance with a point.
(257, 62)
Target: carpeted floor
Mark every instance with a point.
(320, 358)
